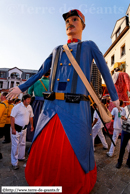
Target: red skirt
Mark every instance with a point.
(52, 162)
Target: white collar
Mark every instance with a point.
(115, 77)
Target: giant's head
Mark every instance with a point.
(75, 22)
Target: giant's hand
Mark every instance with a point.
(117, 104)
(13, 93)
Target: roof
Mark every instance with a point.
(119, 22)
(115, 42)
(127, 12)
(24, 70)
(4, 69)
(29, 70)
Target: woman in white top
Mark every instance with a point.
(116, 126)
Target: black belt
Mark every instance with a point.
(68, 97)
(20, 128)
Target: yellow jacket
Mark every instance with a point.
(3, 112)
(8, 113)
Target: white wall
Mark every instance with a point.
(15, 70)
(117, 52)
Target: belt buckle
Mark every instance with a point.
(59, 96)
(73, 98)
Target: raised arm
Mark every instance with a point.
(14, 92)
(100, 61)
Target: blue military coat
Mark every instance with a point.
(75, 118)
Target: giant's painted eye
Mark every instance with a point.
(75, 19)
(67, 21)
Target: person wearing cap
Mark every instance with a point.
(62, 150)
(122, 84)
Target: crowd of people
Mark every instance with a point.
(17, 121)
(12, 121)
(16, 115)
(118, 115)
(62, 150)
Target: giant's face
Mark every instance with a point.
(74, 25)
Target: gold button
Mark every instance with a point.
(90, 134)
(69, 64)
(58, 79)
(68, 80)
(63, 50)
(71, 50)
(61, 63)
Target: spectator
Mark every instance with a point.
(97, 126)
(17, 101)
(7, 125)
(117, 127)
(37, 89)
(20, 116)
(125, 136)
(3, 114)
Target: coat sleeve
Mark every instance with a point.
(102, 66)
(45, 68)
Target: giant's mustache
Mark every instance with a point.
(70, 26)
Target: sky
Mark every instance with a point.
(31, 29)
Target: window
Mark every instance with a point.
(1, 84)
(27, 75)
(118, 32)
(14, 75)
(12, 84)
(123, 50)
(112, 60)
(17, 83)
(2, 74)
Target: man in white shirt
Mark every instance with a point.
(97, 126)
(21, 114)
(116, 126)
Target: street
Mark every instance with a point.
(110, 180)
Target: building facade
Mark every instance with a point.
(119, 51)
(13, 77)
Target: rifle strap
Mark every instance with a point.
(43, 84)
(81, 75)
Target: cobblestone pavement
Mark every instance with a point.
(110, 180)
